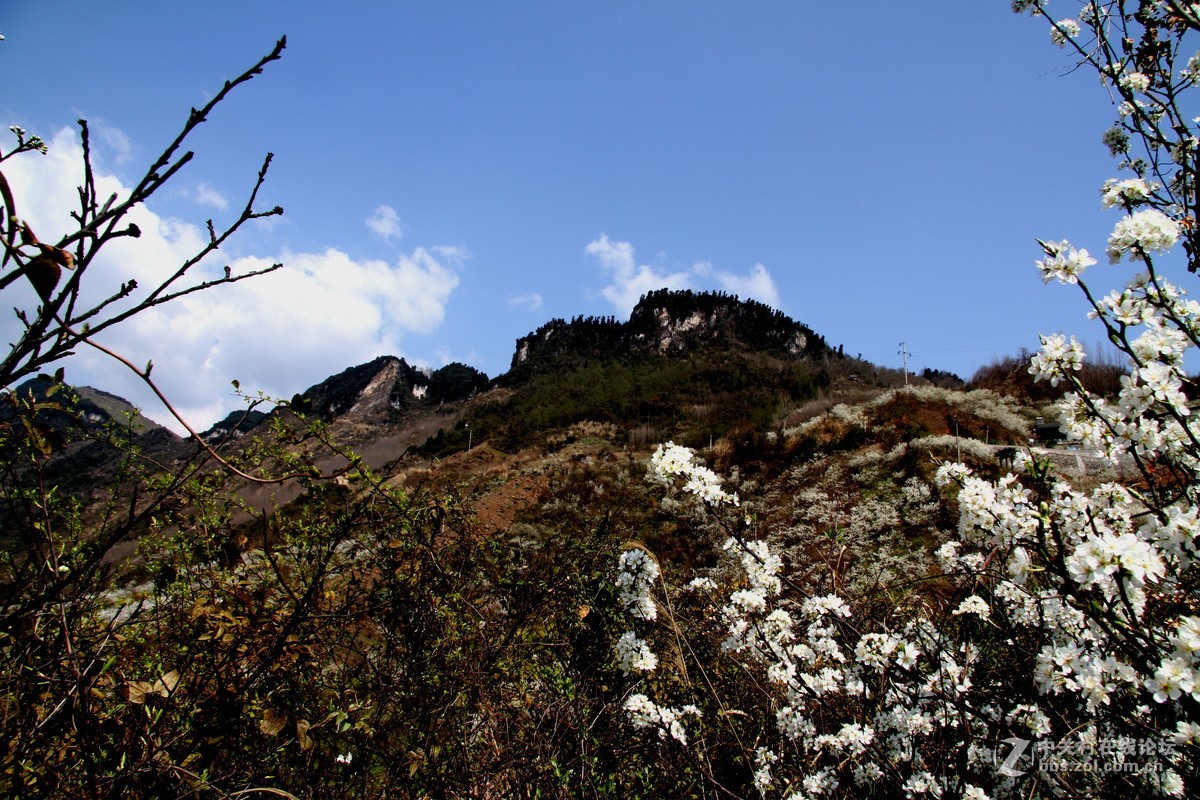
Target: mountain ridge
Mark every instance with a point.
(667, 322)
(677, 347)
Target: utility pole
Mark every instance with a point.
(905, 354)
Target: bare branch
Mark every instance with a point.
(52, 333)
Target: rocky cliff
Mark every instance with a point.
(385, 388)
(665, 323)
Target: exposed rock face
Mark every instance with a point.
(234, 425)
(670, 322)
(671, 333)
(375, 399)
(381, 390)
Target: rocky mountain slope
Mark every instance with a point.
(667, 323)
(703, 369)
(718, 334)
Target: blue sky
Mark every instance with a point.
(455, 174)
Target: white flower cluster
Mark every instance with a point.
(1192, 71)
(1072, 610)
(645, 713)
(1058, 359)
(763, 759)
(634, 655)
(1178, 672)
(1101, 560)
(670, 461)
(1105, 552)
(974, 605)
(1127, 193)
(1176, 534)
(1063, 262)
(851, 414)
(1135, 81)
(953, 561)
(750, 621)
(636, 573)
(1142, 233)
(1151, 413)
(906, 687)
(1063, 31)
(953, 444)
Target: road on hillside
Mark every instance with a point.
(1078, 462)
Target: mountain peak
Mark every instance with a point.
(675, 321)
(666, 322)
(379, 390)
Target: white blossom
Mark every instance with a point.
(1171, 783)
(974, 605)
(1031, 718)
(1192, 71)
(1141, 233)
(826, 604)
(634, 655)
(1057, 358)
(1131, 191)
(671, 461)
(645, 713)
(1064, 263)
(763, 759)
(1063, 31)
(1186, 733)
(637, 571)
(1135, 81)
(922, 783)
(1174, 678)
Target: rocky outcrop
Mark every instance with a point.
(669, 322)
(384, 389)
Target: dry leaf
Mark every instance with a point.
(166, 685)
(302, 726)
(273, 722)
(137, 691)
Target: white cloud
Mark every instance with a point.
(757, 283)
(531, 301)
(384, 222)
(630, 281)
(114, 139)
(277, 333)
(445, 356)
(208, 196)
